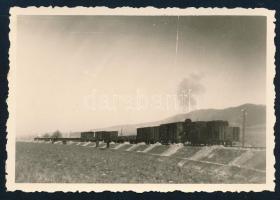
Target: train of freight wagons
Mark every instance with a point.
(195, 133)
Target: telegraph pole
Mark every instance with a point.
(244, 113)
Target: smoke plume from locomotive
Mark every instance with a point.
(188, 91)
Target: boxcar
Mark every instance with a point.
(87, 136)
(216, 131)
(197, 133)
(187, 127)
(111, 136)
(140, 137)
(236, 134)
(144, 134)
(99, 135)
(154, 134)
(163, 133)
(106, 136)
(232, 134)
(171, 132)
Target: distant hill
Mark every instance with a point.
(256, 117)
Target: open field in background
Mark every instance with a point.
(48, 163)
(255, 136)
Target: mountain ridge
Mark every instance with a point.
(256, 116)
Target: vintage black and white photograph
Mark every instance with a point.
(165, 98)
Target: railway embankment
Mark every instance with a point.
(247, 158)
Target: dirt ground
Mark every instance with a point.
(49, 163)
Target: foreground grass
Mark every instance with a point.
(47, 163)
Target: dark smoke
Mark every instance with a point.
(193, 82)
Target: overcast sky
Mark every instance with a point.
(71, 69)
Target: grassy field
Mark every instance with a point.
(223, 156)
(256, 161)
(47, 163)
(158, 149)
(141, 148)
(187, 152)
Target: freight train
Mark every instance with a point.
(193, 133)
(105, 136)
(187, 132)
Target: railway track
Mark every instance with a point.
(257, 148)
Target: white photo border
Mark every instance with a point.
(83, 187)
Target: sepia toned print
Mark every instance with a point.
(141, 99)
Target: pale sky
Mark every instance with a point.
(71, 68)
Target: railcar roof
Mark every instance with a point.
(172, 123)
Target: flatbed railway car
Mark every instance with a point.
(64, 140)
(42, 139)
(127, 138)
(131, 139)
